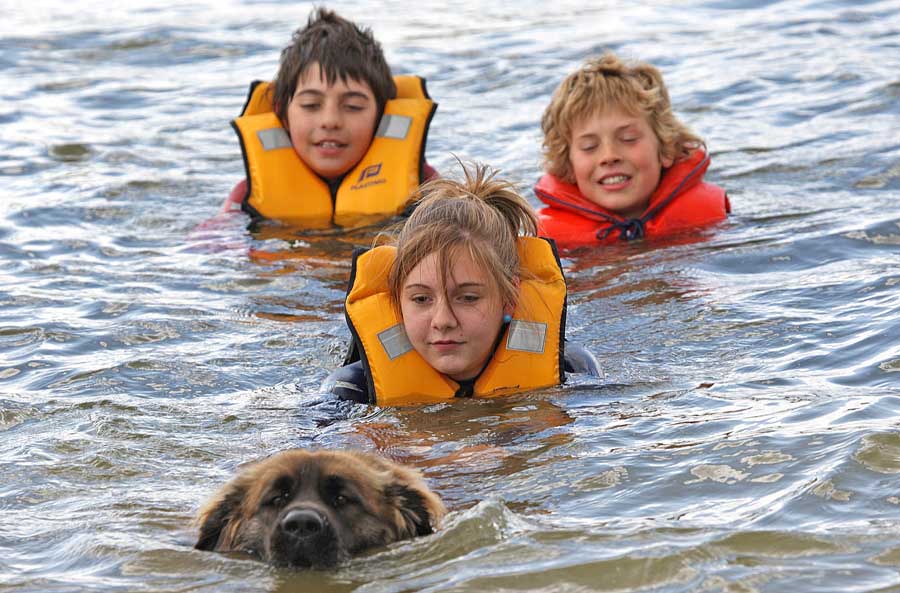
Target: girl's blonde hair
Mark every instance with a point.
(481, 217)
(608, 82)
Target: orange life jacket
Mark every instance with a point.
(681, 201)
(281, 186)
(529, 354)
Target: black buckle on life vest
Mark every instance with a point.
(466, 389)
(633, 229)
(629, 230)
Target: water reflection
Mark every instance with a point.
(744, 437)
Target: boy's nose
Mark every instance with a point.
(608, 156)
(331, 117)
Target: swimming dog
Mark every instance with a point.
(314, 509)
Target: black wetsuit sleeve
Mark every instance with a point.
(580, 360)
(347, 383)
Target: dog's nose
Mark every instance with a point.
(303, 523)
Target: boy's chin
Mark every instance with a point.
(625, 211)
(330, 173)
(329, 169)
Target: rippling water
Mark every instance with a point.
(745, 437)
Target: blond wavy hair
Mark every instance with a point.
(608, 82)
(481, 216)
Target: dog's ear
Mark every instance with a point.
(421, 509)
(220, 513)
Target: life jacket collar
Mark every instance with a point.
(681, 200)
(281, 186)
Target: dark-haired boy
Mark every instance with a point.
(335, 139)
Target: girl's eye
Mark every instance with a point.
(309, 106)
(419, 299)
(352, 107)
(469, 298)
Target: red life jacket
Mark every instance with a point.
(682, 200)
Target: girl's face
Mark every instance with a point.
(331, 126)
(454, 327)
(616, 161)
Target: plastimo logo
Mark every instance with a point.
(370, 171)
(368, 177)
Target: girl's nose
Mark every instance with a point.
(443, 317)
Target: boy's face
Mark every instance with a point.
(331, 126)
(616, 162)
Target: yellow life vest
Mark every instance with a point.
(281, 186)
(529, 355)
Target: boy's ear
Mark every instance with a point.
(666, 161)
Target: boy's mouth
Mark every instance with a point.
(330, 144)
(617, 179)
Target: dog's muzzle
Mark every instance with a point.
(305, 538)
(303, 524)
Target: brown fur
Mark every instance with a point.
(315, 509)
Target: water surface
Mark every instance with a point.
(744, 438)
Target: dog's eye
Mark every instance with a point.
(277, 500)
(340, 500)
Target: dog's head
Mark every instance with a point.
(305, 508)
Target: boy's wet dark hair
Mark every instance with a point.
(342, 49)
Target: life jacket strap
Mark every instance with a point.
(629, 230)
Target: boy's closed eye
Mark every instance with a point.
(354, 106)
(308, 99)
(355, 100)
